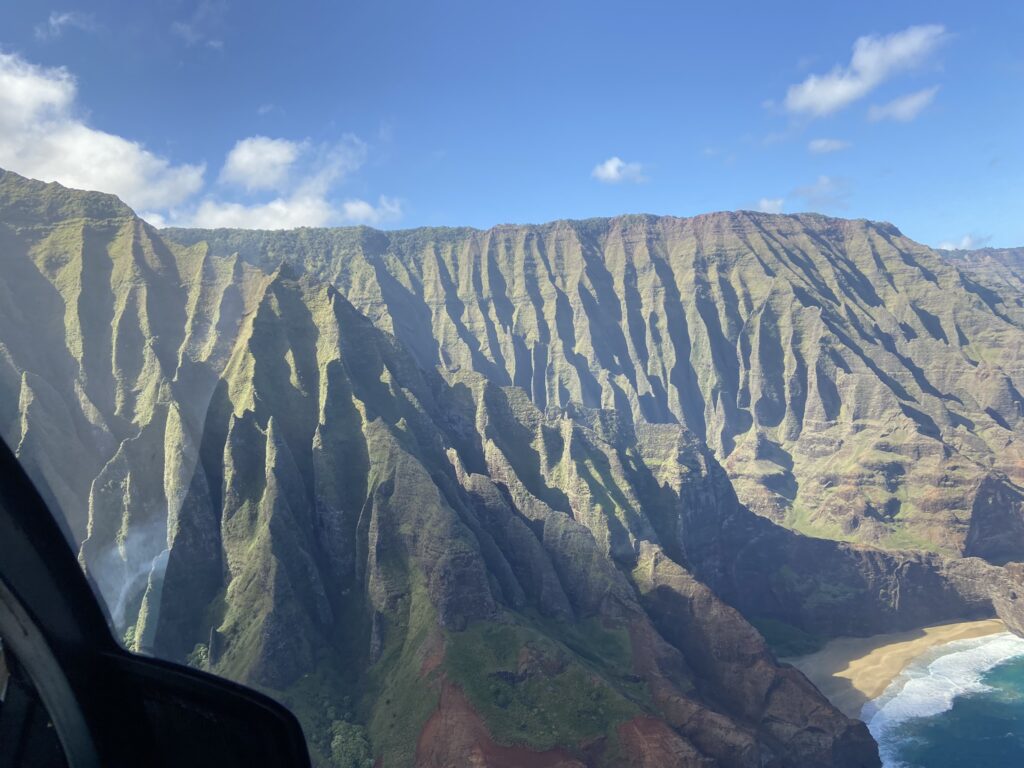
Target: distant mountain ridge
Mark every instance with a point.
(835, 367)
(459, 495)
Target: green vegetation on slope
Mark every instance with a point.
(785, 639)
(798, 348)
(534, 691)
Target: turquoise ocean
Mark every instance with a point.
(959, 705)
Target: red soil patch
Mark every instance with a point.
(455, 736)
(434, 655)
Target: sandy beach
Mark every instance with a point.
(851, 671)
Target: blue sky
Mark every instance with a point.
(398, 114)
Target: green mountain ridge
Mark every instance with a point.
(514, 496)
(831, 365)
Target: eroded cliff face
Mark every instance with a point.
(441, 508)
(854, 384)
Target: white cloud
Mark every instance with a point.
(305, 196)
(966, 243)
(615, 170)
(905, 108)
(299, 210)
(875, 59)
(201, 28)
(825, 192)
(771, 204)
(260, 163)
(29, 94)
(42, 137)
(361, 212)
(158, 220)
(825, 146)
(281, 213)
(58, 21)
(333, 163)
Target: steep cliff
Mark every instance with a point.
(457, 496)
(854, 384)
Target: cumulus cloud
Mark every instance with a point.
(280, 213)
(305, 176)
(826, 146)
(825, 192)
(905, 108)
(875, 59)
(59, 21)
(615, 170)
(966, 243)
(158, 220)
(299, 210)
(41, 136)
(260, 163)
(361, 212)
(771, 204)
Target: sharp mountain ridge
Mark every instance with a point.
(529, 496)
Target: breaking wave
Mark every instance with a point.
(930, 684)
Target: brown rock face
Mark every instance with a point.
(733, 668)
(997, 522)
(651, 743)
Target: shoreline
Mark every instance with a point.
(851, 671)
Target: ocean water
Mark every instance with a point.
(959, 705)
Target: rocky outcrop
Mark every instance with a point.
(997, 521)
(733, 666)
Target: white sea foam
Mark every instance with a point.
(929, 685)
